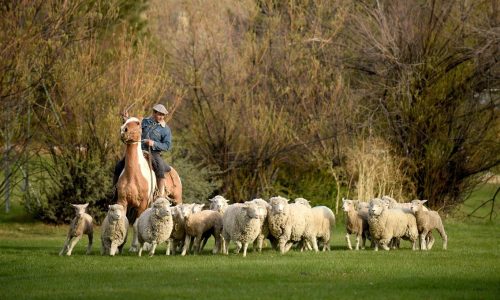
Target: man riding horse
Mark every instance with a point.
(155, 138)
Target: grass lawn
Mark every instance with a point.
(30, 268)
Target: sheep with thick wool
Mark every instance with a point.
(80, 225)
(426, 222)
(114, 230)
(323, 222)
(154, 226)
(264, 232)
(386, 224)
(241, 223)
(201, 225)
(290, 223)
(356, 222)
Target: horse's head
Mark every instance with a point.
(130, 131)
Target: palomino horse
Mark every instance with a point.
(137, 182)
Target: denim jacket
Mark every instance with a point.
(159, 133)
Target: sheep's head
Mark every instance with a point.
(162, 207)
(303, 202)
(252, 210)
(416, 205)
(115, 212)
(278, 204)
(197, 208)
(80, 209)
(218, 203)
(186, 210)
(377, 206)
(347, 205)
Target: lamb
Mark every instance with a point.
(114, 230)
(264, 229)
(155, 225)
(426, 222)
(392, 203)
(218, 203)
(386, 224)
(355, 223)
(241, 223)
(80, 225)
(289, 223)
(323, 221)
(200, 225)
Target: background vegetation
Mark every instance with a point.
(320, 99)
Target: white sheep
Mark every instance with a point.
(289, 223)
(155, 225)
(426, 222)
(114, 230)
(202, 225)
(219, 203)
(80, 225)
(323, 222)
(264, 231)
(355, 223)
(386, 224)
(241, 223)
(392, 203)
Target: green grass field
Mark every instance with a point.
(30, 268)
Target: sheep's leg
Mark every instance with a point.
(169, 244)
(363, 241)
(187, 241)
(288, 246)
(65, 247)
(72, 244)
(358, 239)
(314, 243)
(205, 240)
(443, 236)
(422, 236)
(141, 247)
(113, 249)
(135, 239)
(226, 245)
(238, 247)
(245, 246)
(429, 240)
(153, 248)
(197, 244)
(89, 247)
(348, 240)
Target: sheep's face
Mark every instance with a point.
(376, 208)
(303, 202)
(80, 209)
(347, 205)
(218, 203)
(197, 208)
(253, 211)
(186, 210)
(278, 204)
(115, 212)
(416, 205)
(163, 211)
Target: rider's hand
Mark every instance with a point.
(150, 143)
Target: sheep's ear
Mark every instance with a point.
(74, 205)
(85, 205)
(211, 200)
(423, 201)
(202, 205)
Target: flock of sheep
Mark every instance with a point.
(187, 227)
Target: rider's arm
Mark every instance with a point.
(165, 141)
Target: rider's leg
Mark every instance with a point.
(159, 168)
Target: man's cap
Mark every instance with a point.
(160, 108)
